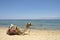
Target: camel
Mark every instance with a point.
(18, 31)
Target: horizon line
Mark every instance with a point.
(27, 19)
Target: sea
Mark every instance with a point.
(51, 24)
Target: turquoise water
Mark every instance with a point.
(36, 24)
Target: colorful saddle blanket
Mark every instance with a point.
(12, 31)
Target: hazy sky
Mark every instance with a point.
(29, 9)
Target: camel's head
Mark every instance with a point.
(28, 24)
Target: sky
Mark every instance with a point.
(29, 9)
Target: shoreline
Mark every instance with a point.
(31, 28)
(33, 35)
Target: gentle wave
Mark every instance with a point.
(39, 24)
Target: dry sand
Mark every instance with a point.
(34, 35)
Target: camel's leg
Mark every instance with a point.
(19, 31)
(26, 32)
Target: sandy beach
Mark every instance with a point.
(34, 35)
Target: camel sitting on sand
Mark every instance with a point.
(14, 30)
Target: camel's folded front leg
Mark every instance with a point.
(19, 31)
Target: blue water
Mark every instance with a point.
(36, 24)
